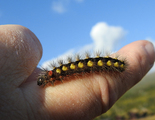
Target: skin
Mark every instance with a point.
(82, 98)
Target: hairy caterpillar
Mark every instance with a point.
(80, 66)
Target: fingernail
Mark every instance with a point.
(151, 52)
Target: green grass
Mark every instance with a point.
(148, 118)
(141, 97)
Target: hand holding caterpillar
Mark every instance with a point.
(82, 99)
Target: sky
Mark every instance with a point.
(66, 27)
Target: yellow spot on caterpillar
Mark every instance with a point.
(106, 57)
(116, 64)
(90, 63)
(97, 56)
(72, 66)
(64, 68)
(109, 63)
(100, 63)
(122, 65)
(80, 65)
(58, 71)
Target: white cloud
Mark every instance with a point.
(60, 6)
(106, 37)
(85, 48)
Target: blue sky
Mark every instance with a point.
(65, 27)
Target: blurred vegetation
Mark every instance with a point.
(137, 102)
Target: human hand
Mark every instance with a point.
(22, 98)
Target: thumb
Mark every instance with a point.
(20, 52)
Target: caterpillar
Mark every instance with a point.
(80, 66)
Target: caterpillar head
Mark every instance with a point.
(41, 80)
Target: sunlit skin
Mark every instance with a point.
(81, 98)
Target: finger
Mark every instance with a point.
(140, 56)
(20, 53)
